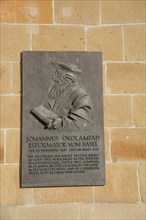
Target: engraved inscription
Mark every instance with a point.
(62, 164)
(62, 156)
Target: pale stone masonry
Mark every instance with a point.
(126, 78)
(134, 41)
(117, 28)
(142, 180)
(58, 37)
(139, 110)
(128, 144)
(121, 181)
(10, 111)
(26, 12)
(14, 38)
(106, 39)
(63, 195)
(12, 146)
(118, 111)
(122, 12)
(11, 192)
(5, 73)
(74, 12)
(113, 211)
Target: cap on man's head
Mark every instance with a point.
(66, 67)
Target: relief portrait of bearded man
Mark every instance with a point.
(67, 105)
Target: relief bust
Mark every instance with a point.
(67, 105)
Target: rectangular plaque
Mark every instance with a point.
(62, 119)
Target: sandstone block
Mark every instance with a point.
(77, 12)
(11, 193)
(126, 78)
(5, 78)
(1, 146)
(107, 144)
(142, 173)
(128, 144)
(108, 40)
(16, 78)
(139, 106)
(104, 78)
(7, 11)
(14, 40)
(13, 146)
(63, 194)
(58, 38)
(113, 211)
(118, 111)
(121, 185)
(120, 12)
(134, 41)
(48, 212)
(10, 111)
(26, 11)
(7, 213)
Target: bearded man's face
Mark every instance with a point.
(56, 77)
(59, 76)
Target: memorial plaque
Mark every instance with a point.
(62, 119)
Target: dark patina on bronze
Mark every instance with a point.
(62, 120)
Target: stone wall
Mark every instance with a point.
(117, 28)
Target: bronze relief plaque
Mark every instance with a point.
(62, 119)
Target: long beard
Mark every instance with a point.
(55, 91)
(59, 88)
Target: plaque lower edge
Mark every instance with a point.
(27, 185)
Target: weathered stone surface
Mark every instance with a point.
(7, 213)
(113, 211)
(142, 173)
(7, 11)
(121, 181)
(58, 38)
(104, 74)
(16, 78)
(139, 110)
(13, 146)
(107, 144)
(26, 11)
(11, 193)
(1, 146)
(48, 212)
(5, 78)
(128, 144)
(106, 39)
(14, 40)
(63, 194)
(134, 41)
(77, 12)
(118, 111)
(126, 78)
(10, 111)
(119, 12)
